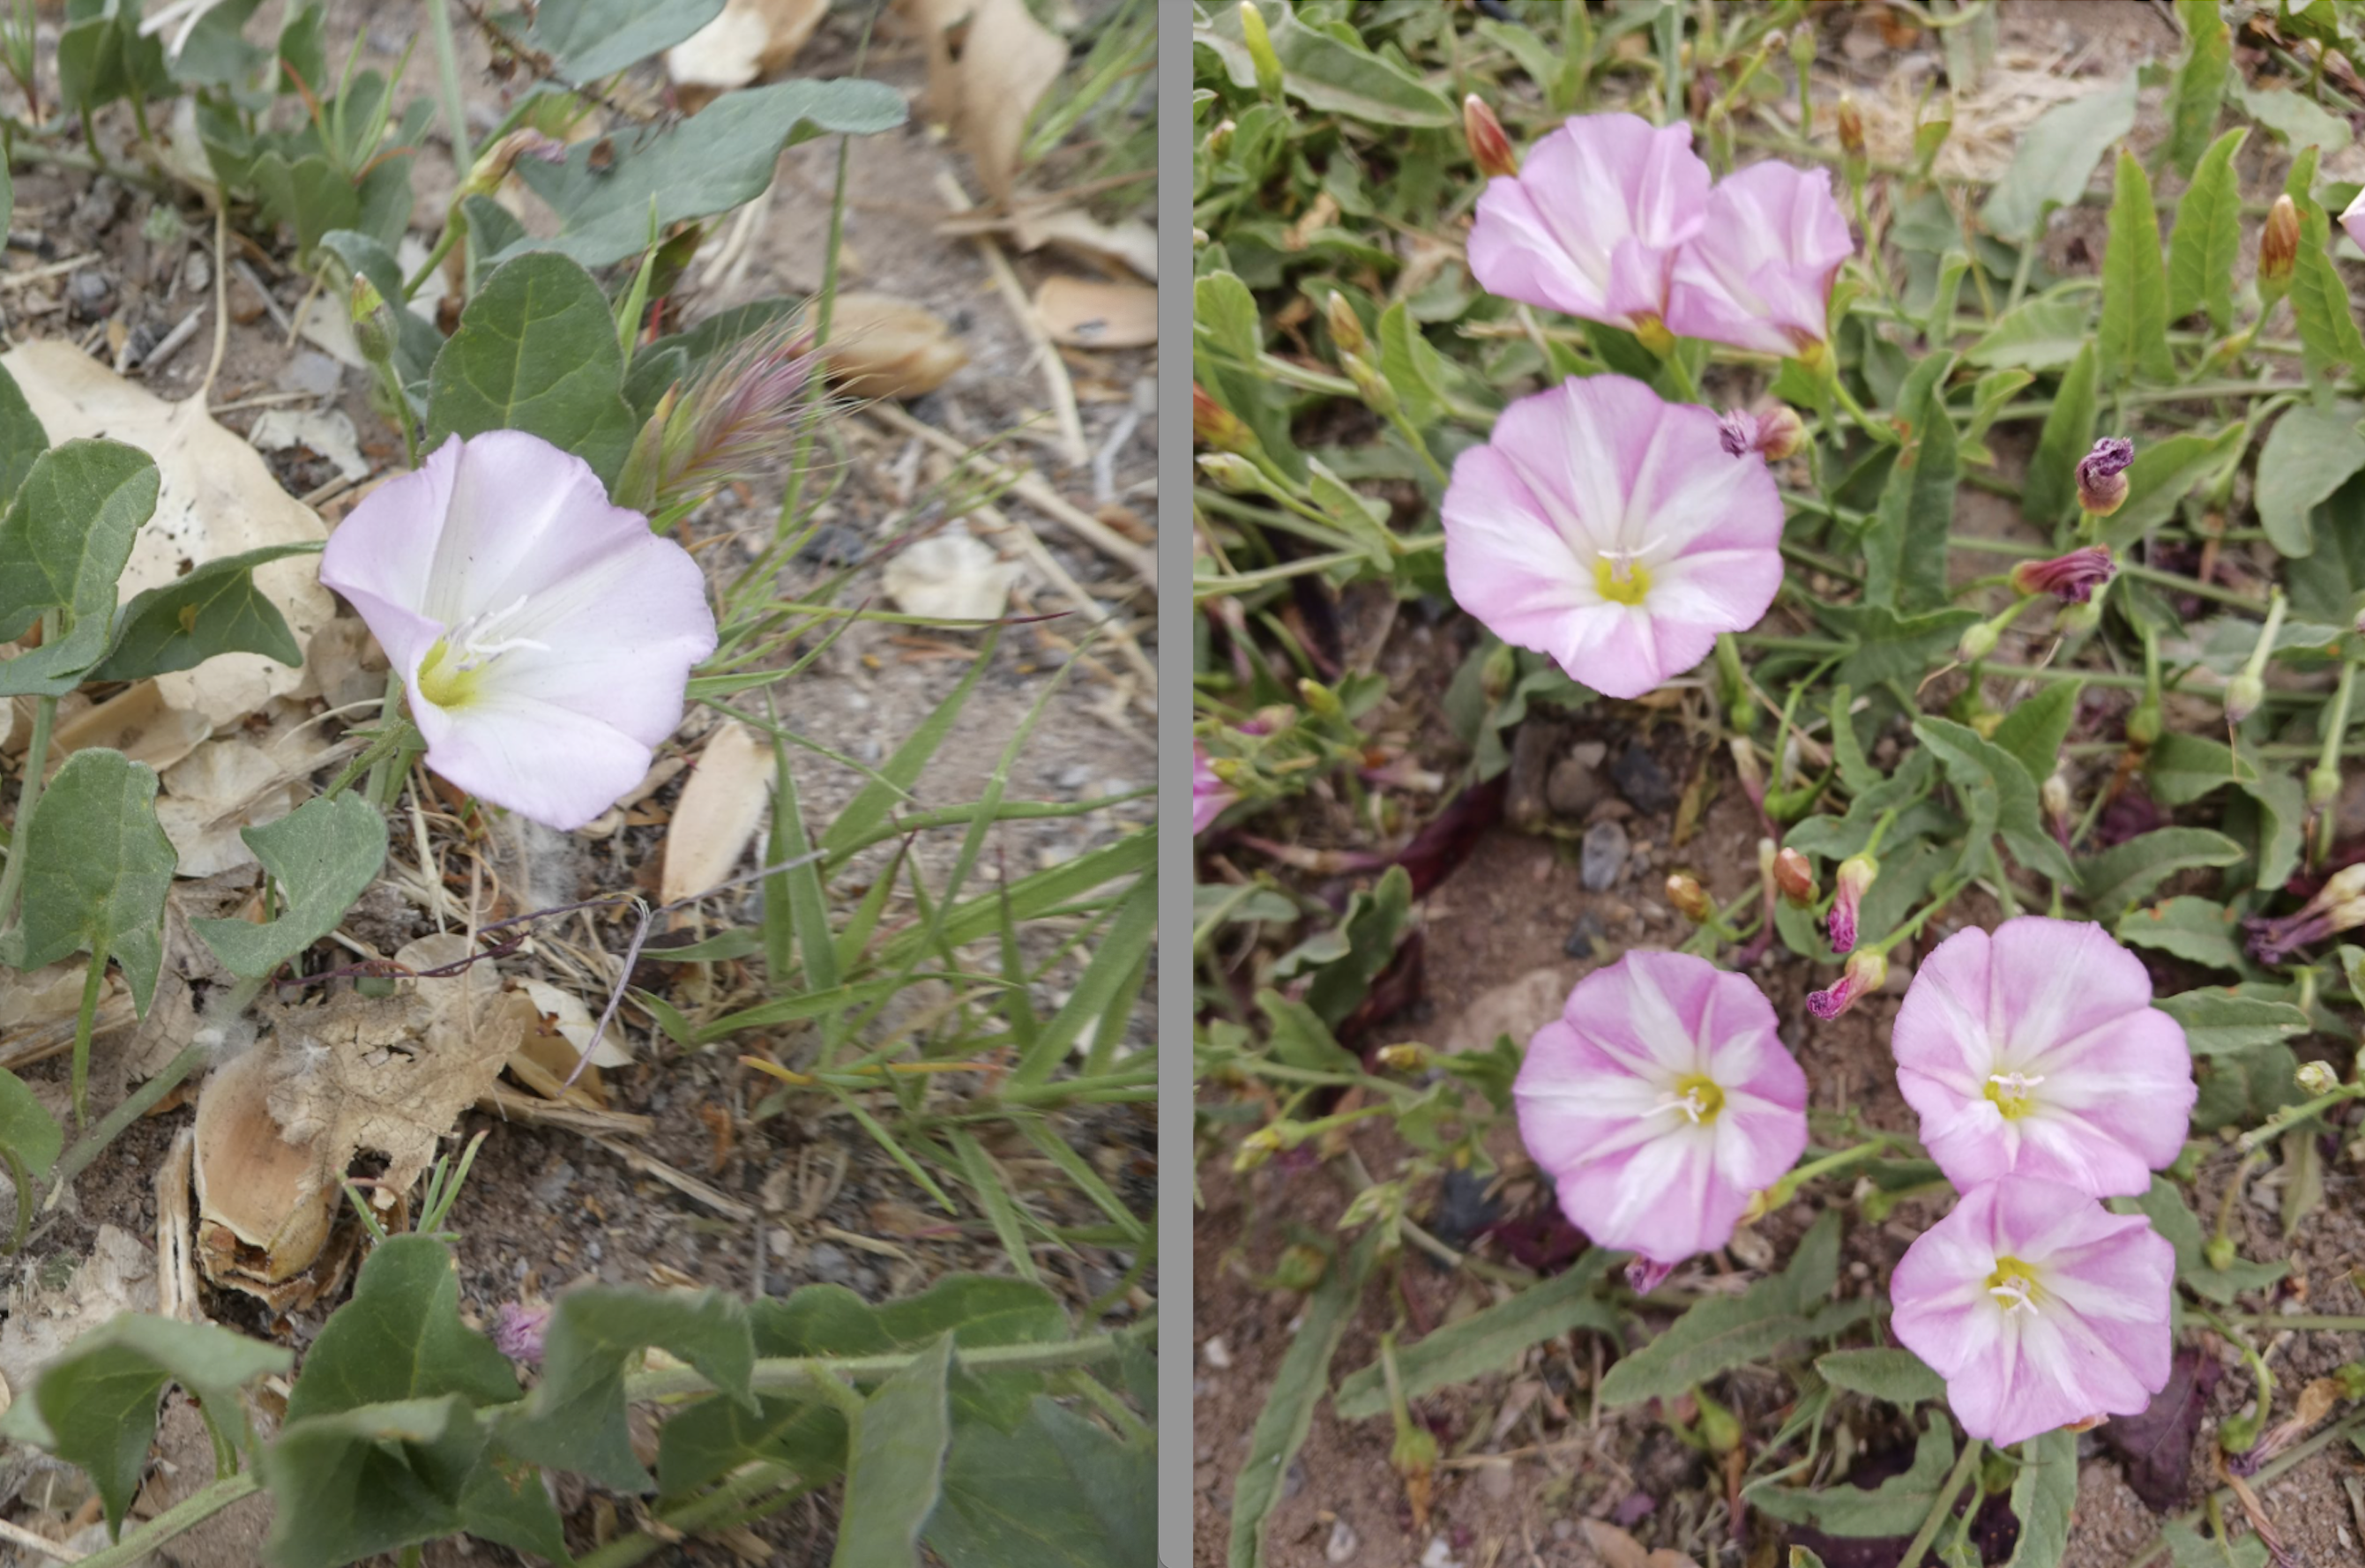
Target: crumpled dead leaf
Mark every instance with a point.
(1084, 314)
(1008, 61)
(952, 575)
(719, 809)
(1619, 1549)
(881, 346)
(1131, 244)
(220, 787)
(750, 40)
(218, 499)
(138, 722)
(328, 432)
(576, 1024)
(118, 1276)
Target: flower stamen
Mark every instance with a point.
(1698, 1099)
(2012, 1284)
(1621, 575)
(2010, 1090)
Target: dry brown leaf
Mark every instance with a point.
(266, 1203)
(218, 498)
(576, 1024)
(1008, 61)
(750, 40)
(210, 795)
(952, 575)
(1083, 314)
(720, 810)
(1131, 243)
(137, 722)
(118, 1276)
(884, 347)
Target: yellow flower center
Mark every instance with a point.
(451, 675)
(1653, 335)
(2013, 1285)
(446, 679)
(1621, 576)
(2010, 1090)
(1697, 1098)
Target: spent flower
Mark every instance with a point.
(1659, 1102)
(1850, 883)
(1867, 971)
(2338, 905)
(2102, 476)
(545, 635)
(1591, 224)
(1795, 874)
(2041, 1309)
(1209, 793)
(1605, 527)
(2279, 239)
(2072, 578)
(2035, 1051)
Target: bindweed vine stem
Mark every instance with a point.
(1943, 1508)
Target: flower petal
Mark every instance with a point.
(502, 747)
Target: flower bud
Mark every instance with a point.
(1773, 435)
(1853, 879)
(2102, 476)
(1745, 763)
(1489, 148)
(1867, 970)
(1346, 327)
(2317, 1078)
(492, 165)
(1232, 473)
(1257, 1149)
(372, 322)
(1795, 874)
(1260, 46)
(2350, 1376)
(2323, 787)
(2243, 695)
(1219, 139)
(1301, 1267)
(2053, 796)
(1689, 898)
(1378, 393)
(1414, 1458)
(2072, 578)
(1216, 427)
(2218, 1252)
(1719, 1427)
(2142, 723)
(2278, 248)
(1850, 128)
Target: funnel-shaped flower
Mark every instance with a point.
(1209, 794)
(1610, 529)
(2037, 1052)
(2039, 1307)
(1591, 223)
(1758, 276)
(546, 636)
(1661, 1101)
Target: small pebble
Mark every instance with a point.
(832, 544)
(831, 1263)
(1588, 930)
(1218, 1354)
(1642, 780)
(1073, 779)
(312, 373)
(197, 273)
(88, 292)
(1571, 788)
(1341, 1546)
(1602, 858)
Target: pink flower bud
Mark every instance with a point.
(1489, 148)
(2072, 578)
(1795, 874)
(1855, 878)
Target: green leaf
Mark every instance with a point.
(861, 815)
(536, 351)
(2033, 731)
(716, 159)
(2131, 340)
(591, 38)
(214, 609)
(1486, 1341)
(1714, 1336)
(2193, 929)
(96, 1405)
(98, 868)
(2170, 1216)
(64, 543)
(102, 57)
(1345, 959)
(22, 439)
(1905, 546)
(1224, 313)
(2218, 1022)
(372, 1479)
(573, 1420)
(1057, 1493)
(2119, 876)
(1288, 1412)
(678, 357)
(1410, 365)
(2056, 158)
(27, 1128)
(1979, 769)
(2163, 474)
(1896, 1375)
(2311, 452)
(2200, 88)
(2243, 1089)
(2187, 1550)
(416, 341)
(323, 856)
(2184, 768)
(2050, 496)
(1895, 1507)
(895, 1457)
(1327, 73)
(1889, 646)
(2045, 1493)
(2328, 338)
(2292, 115)
(2203, 247)
(2042, 333)
(400, 1338)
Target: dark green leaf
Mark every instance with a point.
(2291, 113)
(1714, 1336)
(2057, 157)
(22, 439)
(2043, 334)
(895, 1457)
(2187, 1550)
(62, 546)
(321, 855)
(1327, 73)
(1895, 1507)
(96, 1405)
(372, 1479)
(2170, 1216)
(2045, 1493)
(1905, 546)
(1978, 767)
(1896, 1375)
(536, 351)
(2218, 1021)
(1889, 646)
(2200, 88)
(2050, 498)
(711, 163)
(1057, 1493)
(215, 608)
(2311, 452)
(2193, 929)
(2123, 873)
(2328, 338)
(591, 38)
(1288, 1412)
(2131, 340)
(400, 1338)
(2163, 474)
(2033, 731)
(1488, 1340)
(2207, 238)
(98, 868)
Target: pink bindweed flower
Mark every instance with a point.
(1758, 274)
(546, 636)
(518, 1329)
(1209, 794)
(2073, 577)
(1659, 1102)
(1591, 223)
(2037, 1052)
(1866, 971)
(2039, 1307)
(2352, 218)
(1608, 529)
